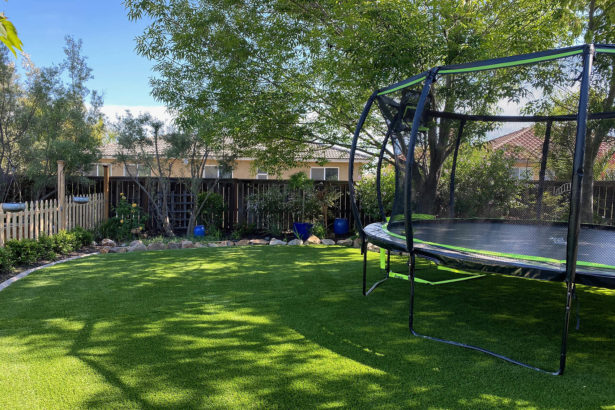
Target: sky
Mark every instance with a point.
(108, 43)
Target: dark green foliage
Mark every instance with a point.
(6, 262)
(83, 237)
(484, 185)
(46, 244)
(212, 209)
(24, 251)
(366, 193)
(128, 222)
(64, 242)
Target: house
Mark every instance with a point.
(334, 167)
(527, 148)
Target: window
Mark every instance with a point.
(96, 171)
(215, 171)
(130, 170)
(324, 174)
(522, 172)
(134, 170)
(261, 174)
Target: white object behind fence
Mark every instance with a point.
(44, 216)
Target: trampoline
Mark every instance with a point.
(446, 125)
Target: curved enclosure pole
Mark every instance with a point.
(451, 201)
(416, 122)
(379, 173)
(353, 148)
(574, 222)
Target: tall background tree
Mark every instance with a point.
(49, 116)
(279, 74)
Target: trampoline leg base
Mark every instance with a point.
(489, 352)
(374, 286)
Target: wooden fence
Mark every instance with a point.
(235, 194)
(44, 217)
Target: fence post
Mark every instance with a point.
(106, 191)
(61, 196)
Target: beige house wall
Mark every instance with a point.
(242, 169)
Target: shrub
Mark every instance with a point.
(129, 219)
(46, 244)
(64, 242)
(319, 230)
(6, 262)
(366, 193)
(212, 210)
(24, 251)
(82, 237)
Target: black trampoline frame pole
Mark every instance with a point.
(574, 221)
(353, 148)
(416, 122)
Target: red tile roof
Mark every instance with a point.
(530, 146)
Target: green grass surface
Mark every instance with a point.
(288, 327)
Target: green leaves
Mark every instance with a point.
(8, 35)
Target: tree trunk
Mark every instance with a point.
(587, 193)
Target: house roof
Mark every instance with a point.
(314, 151)
(530, 146)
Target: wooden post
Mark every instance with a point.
(61, 196)
(106, 191)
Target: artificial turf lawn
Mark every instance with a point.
(288, 327)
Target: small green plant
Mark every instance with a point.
(6, 262)
(46, 244)
(24, 251)
(212, 210)
(128, 222)
(319, 230)
(64, 242)
(269, 207)
(83, 237)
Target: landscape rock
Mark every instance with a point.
(135, 243)
(93, 243)
(220, 244)
(199, 245)
(187, 244)
(173, 245)
(345, 242)
(137, 247)
(156, 246)
(243, 242)
(327, 242)
(105, 249)
(373, 248)
(275, 242)
(258, 242)
(313, 240)
(108, 242)
(356, 243)
(118, 249)
(295, 242)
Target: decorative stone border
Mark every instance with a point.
(25, 273)
(108, 246)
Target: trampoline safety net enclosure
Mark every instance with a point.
(498, 166)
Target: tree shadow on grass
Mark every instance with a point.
(287, 327)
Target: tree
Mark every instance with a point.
(8, 35)
(45, 119)
(279, 74)
(67, 124)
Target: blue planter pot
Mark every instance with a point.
(302, 229)
(199, 230)
(340, 226)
